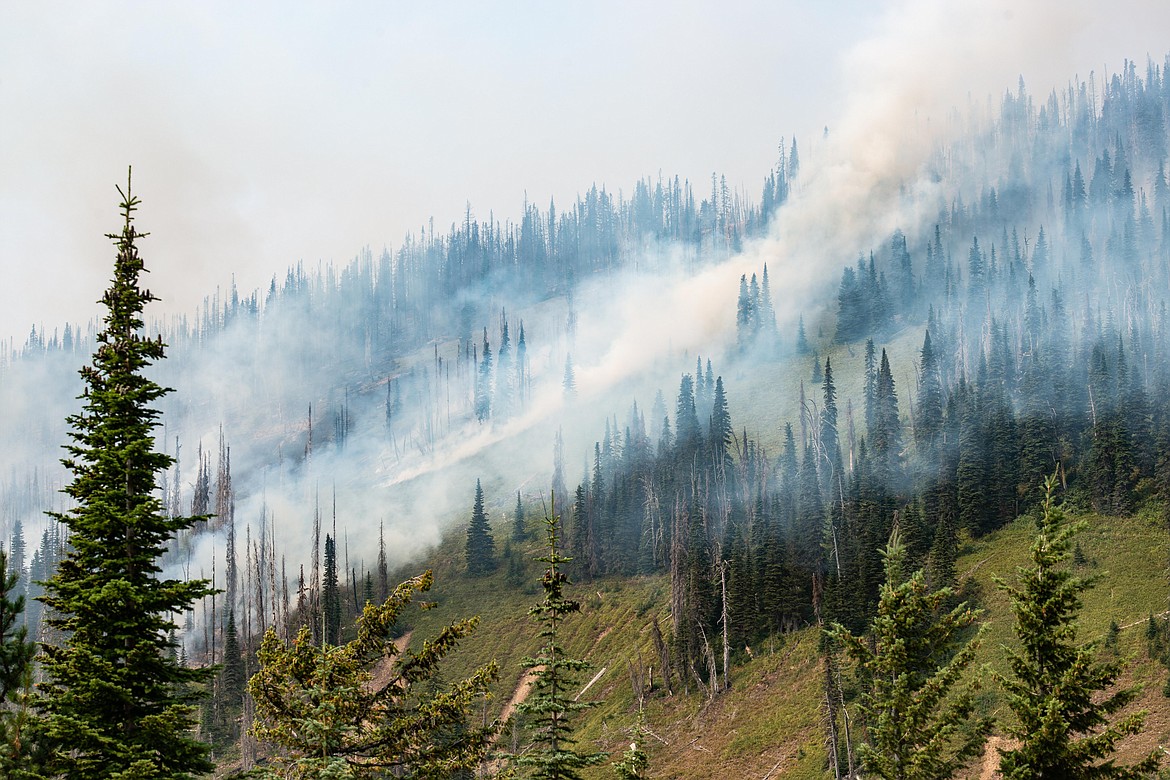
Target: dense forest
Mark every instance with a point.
(1019, 332)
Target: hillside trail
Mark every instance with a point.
(526, 681)
(384, 669)
(520, 693)
(990, 765)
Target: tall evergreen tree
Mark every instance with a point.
(16, 657)
(1056, 685)
(16, 650)
(570, 381)
(383, 572)
(928, 416)
(551, 705)
(481, 547)
(918, 726)
(830, 463)
(115, 698)
(688, 437)
(721, 435)
(483, 383)
(744, 315)
(331, 594)
(886, 437)
(519, 533)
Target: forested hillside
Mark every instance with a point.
(735, 449)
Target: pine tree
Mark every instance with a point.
(383, 573)
(333, 717)
(551, 705)
(1056, 686)
(232, 677)
(519, 534)
(802, 345)
(331, 594)
(483, 383)
(744, 315)
(481, 547)
(886, 438)
(830, 464)
(16, 650)
(16, 657)
(928, 416)
(688, 436)
(115, 698)
(720, 432)
(767, 312)
(569, 383)
(918, 727)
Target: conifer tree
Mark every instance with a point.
(919, 727)
(16, 656)
(1056, 688)
(928, 416)
(767, 312)
(483, 384)
(232, 677)
(886, 438)
(569, 383)
(481, 547)
(115, 698)
(519, 533)
(802, 345)
(744, 315)
(331, 594)
(720, 435)
(16, 650)
(688, 435)
(383, 574)
(551, 705)
(334, 718)
(830, 465)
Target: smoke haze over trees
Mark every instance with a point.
(740, 392)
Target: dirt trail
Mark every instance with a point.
(523, 688)
(384, 669)
(990, 767)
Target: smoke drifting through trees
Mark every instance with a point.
(370, 381)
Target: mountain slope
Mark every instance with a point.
(770, 723)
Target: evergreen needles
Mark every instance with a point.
(116, 702)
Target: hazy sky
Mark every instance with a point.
(262, 134)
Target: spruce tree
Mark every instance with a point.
(331, 594)
(16, 655)
(519, 533)
(383, 573)
(918, 726)
(743, 315)
(481, 547)
(549, 708)
(16, 650)
(1056, 688)
(928, 416)
(830, 465)
(233, 676)
(368, 709)
(115, 699)
(720, 432)
(483, 385)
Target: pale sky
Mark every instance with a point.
(263, 134)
